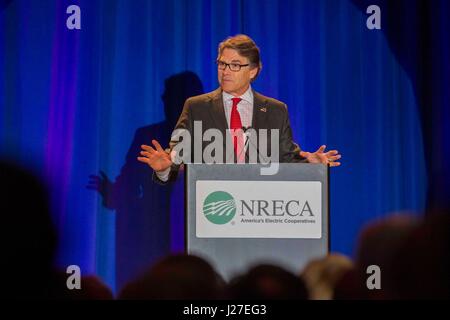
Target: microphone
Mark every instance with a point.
(247, 135)
(248, 140)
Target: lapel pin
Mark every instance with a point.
(263, 109)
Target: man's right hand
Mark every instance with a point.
(156, 157)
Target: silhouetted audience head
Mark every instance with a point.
(322, 275)
(378, 245)
(412, 256)
(350, 286)
(422, 264)
(28, 237)
(267, 282)
(29, 242)
(177, 276)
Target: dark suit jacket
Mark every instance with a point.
(268, 113)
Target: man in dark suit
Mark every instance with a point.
(230, 109)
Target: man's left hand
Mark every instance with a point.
(320, 156)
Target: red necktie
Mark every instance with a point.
(238, 137)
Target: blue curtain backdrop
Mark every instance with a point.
(74, 103)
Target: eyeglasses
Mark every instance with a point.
(233, 66)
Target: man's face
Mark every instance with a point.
(235, 82)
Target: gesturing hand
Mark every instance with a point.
(322, 157)
(156, 158)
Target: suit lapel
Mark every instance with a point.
(218, 111)
(259, 111)
(259, 117)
